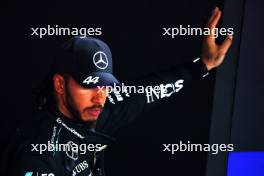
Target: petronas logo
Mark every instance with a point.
(29, 174)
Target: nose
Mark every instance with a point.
(98, 97)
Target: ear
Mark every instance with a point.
(59, 83)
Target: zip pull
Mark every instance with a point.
(98, 150)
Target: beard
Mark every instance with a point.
(77, 115)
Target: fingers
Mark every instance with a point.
(226, 44)
(216, 15)
(212, 15)
(214, 18)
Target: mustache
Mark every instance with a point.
(96, 106)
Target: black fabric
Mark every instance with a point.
(121, 109)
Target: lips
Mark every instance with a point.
(94, 112)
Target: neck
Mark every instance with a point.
(62, 108)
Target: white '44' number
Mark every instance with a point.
(91, 79)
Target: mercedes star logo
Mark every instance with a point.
(100, 60)
(72, 151)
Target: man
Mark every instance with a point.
(76, 112)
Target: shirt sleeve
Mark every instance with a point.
(126, 103)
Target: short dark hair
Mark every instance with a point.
(44, 92)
